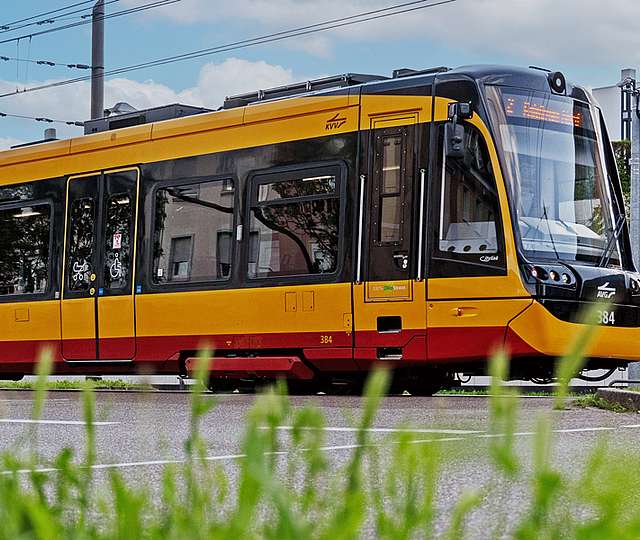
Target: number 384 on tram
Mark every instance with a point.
(421, 221)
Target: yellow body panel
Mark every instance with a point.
(26, 321)
(551, 336)
(270, 123)
(79, 318)
(244, 311)
(413, 313)
(115, 316)
(474, 313)
(403, 109)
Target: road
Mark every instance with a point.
(139, 433)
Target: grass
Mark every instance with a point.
(593, 400)
(487, 392)
(109, 384)
(293, 491)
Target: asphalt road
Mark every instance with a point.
(140, 433)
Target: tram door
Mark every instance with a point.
(98, 309)
(390, 314)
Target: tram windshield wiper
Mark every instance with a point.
(613, 241)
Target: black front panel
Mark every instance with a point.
(616, 291)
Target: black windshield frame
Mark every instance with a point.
(613, 202)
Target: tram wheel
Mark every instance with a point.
(419, 387)
(302, 388)
(224, 386)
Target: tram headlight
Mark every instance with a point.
(557, 276)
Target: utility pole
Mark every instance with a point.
(97, 61)
(630, 90)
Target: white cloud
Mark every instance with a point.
(8, 142)
(548, 31)
(216, 81)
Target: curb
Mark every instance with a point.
(628, 399)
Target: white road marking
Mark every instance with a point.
(54, 422)
(33, 401)
(235, 457)
(391, 430)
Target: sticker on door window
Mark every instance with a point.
(117, 241)
(115, 269)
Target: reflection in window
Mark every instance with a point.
(188, 220)
(391, 191)
(469, 201)
(117, 263)
(181, 258)
(81, 244)
(24, 249)
(295, 223)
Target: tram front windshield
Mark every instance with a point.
(554, 155)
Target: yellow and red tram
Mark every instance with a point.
(308, 232)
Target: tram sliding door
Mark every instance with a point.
(389, 306)
(98, 312)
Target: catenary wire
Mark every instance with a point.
(63, 16)
(43, 119)
(47, 63)
(40, 15)
(144, 7)
(270, 38)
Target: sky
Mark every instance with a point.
(589, 40)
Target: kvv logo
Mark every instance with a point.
(606, 292)
(336, 122)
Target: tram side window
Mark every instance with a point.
(25, 235)
(469, 227)
(390, 224)
(192, 232)
(295, 225)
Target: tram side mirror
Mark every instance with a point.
(454, 139)
(454, 132)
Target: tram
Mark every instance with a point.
(309, 232)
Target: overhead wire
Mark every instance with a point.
(48, 63)
(63, 16)
(41, 119)
(46, 13)
(130, 11)
(397, 9)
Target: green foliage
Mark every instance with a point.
(107, 384)
(622, 151)
(592, 400)
(284, 485)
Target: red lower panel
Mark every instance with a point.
(21, 356)
(264, 366)
(79, 349)
(161, 354)
(117, 349)
(331, 358)
(451, 344)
